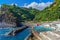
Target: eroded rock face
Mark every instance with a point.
(4, 24)
(7, 20)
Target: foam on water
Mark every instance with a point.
(5, 30)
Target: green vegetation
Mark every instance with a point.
(50, 13)
(30, 14)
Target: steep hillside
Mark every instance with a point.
(50, 13)
(30, 14)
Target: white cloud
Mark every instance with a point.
(39, 6)
(14, 3)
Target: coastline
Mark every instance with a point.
(14, 32)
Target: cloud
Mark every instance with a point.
(14, 3)
(39, 6)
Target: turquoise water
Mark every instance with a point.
(5, 30)
(42, 28)
(20, 36)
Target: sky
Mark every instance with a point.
(38, 4)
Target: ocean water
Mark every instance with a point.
(20, 36)
(5, 30)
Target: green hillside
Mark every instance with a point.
(30, 14)
(50, 13)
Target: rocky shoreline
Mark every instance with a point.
(31, 37)
(14, 32)
(46, 24)
(5, 25)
